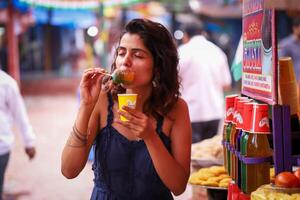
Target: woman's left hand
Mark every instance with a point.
(139, 123)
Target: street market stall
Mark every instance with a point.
(265, 83)
(261, 124)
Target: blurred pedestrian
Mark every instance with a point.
(290, 46)
(12, 112)
(147, 157)
(205, 75)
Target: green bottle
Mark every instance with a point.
(229, 102)
(248, 109)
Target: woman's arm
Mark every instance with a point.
(174, 170)
(76, 150)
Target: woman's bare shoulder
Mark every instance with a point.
(180, 108)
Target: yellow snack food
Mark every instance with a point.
(204, 171)
(224, 176)
(269, 192)
(225, 180)
(205, 176)
(214, 176)
(195, 180)
(224, 184)
(215, 179)
(296, 196)
(217, 170)
(210, 183)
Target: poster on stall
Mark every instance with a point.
(259, 77)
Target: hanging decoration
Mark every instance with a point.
(111, 3)
(64, 4)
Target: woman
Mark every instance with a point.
(147, 157)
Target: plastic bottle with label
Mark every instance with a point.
(248, 108)
(258, 154)
(227, 130)
(239, 119)
(233, 136)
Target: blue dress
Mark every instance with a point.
(123, 169)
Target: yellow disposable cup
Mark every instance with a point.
(126, 100)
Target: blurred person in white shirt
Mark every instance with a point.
(205, 75)
(12, 112)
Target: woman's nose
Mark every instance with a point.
(127, 60)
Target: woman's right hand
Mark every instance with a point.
(90, 86)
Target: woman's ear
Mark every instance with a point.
(156, 79)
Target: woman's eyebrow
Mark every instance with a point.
(120, 48)
(134, 49)
(138, 49)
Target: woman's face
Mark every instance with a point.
(133, 55)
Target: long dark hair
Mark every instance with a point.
(159, 42)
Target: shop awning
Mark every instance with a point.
(63, 4)
(74, 13)
(77, 4)
(59, 17)
(109, 3)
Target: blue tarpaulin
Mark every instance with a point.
(78, 18)
(58, 17)
(17, 5)
(3, 4)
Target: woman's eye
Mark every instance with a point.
(121, 52)
(138, 55)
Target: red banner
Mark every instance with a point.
(259, 52)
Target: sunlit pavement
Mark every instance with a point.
(40, 179)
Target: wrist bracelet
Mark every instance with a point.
(69, 144)
(80, 138)
(78, 134)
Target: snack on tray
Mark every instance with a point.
(217, 170)
(194, 179)
(216, 179)
(224, 184)
(212, 176)
(209, 182)
(266, 192)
